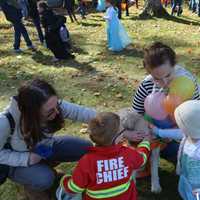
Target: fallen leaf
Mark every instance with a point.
(84, 131)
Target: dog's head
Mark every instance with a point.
(131, 120)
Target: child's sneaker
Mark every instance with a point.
(18, 50)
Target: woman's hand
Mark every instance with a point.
(34, 158)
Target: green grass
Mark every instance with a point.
(99, 78)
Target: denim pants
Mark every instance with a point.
(62, 195)
(37, 24)
(177, 3)
(20, 30)
(40, 176)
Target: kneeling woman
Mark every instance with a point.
(37, 114)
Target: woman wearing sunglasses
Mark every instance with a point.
(38, 114)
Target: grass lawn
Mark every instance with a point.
(99, 78)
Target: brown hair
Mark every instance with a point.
(103, 128)
(31, 97)
(157, 54)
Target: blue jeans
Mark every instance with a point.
(40, 176)
(37, 24)
(170, 152)
(179, 4)
(20, 30)
(62, 195)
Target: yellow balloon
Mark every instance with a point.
(182, 87)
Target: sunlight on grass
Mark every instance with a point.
(97, 77)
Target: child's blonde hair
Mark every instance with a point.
(103, 128)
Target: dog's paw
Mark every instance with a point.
(156, 189)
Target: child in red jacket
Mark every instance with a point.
(105, 172)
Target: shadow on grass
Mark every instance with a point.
(5, 26)
(90, 24)
(175, 41)
(39, 57)
(130, 51)
(169, 184)
(182, 20)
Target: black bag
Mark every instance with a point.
(4, 169)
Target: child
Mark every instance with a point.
(117, 37)
(187, 117)
(54, 25)
(81, 8)
(107, 166)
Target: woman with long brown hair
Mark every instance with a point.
(37, 114)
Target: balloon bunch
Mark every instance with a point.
(160, 107)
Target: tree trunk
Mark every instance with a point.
(153, 8)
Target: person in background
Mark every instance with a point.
(52, 25)
(13, 14)
(117, 36)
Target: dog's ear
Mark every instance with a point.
(129, 118)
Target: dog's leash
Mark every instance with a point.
(117, 135)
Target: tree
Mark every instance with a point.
(153, 8)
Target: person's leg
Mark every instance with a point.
(174, 6)
(119, 8)
(68, 148)
(17, 36)
(63, 195)
(179, 11)
(24, 33)
(37, 24)
(127, 11)
(170, 152)
(39, 177)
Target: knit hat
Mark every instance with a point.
(187, 117)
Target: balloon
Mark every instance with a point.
(166, 123)
(170, 103)
(153, 105)
(183, 87)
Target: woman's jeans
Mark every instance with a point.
(40, 176)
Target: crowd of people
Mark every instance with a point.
(104, 170)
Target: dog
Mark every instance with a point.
(131, 120)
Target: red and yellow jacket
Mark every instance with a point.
(106, 172)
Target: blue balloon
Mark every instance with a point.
(164, 124)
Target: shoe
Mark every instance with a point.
(18, 50)
(55, 59)
(31, 47)
(72, 56)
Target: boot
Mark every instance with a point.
(36, 195)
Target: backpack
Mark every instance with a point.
(4, 169)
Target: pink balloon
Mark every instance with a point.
(153, 105)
